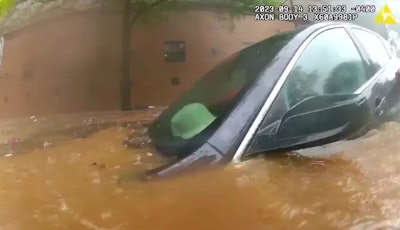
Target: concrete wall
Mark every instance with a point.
(72, 63)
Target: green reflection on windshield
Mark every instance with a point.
(191, 120)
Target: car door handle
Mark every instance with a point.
(379, 102)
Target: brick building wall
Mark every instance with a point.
(72, 63)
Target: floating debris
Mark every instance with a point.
(137, 142)
(62, 204)
(98, 165)
(46, 144)
(106, 215)
(33, 118)
(90, 225)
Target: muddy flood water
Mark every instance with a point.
(57, 175)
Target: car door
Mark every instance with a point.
(320, 100)
(384, 67)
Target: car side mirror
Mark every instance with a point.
(322, 118)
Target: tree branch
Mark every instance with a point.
(6, 17)
(141, 10)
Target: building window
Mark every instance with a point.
(174, 51)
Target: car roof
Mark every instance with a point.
(314, 26)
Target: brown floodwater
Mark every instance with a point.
(75, 173)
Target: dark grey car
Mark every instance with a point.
(318, 84)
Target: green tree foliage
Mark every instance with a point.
(6, 6)
(235, 10)
(154, 10)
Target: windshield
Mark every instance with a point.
(190, 120)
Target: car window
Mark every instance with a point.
(374, 46)
(330, 64)
(211, 99)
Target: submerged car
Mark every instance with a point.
(315, 85)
